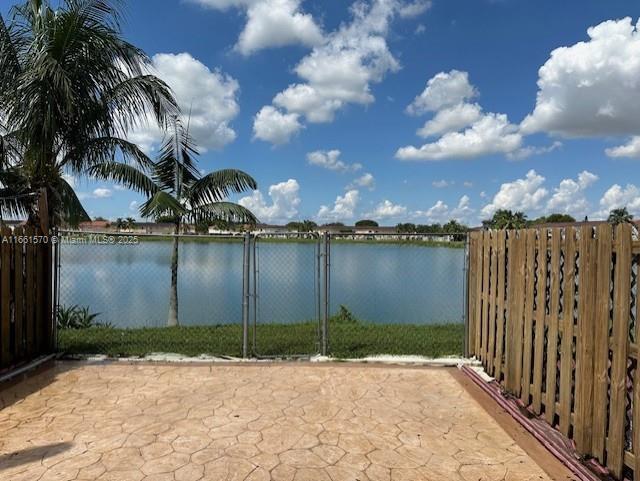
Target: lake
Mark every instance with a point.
(128, 285)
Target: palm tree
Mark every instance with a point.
(175, 189)
(130, 223)
(70, 89)
(506, 219)
(620, 216)
(119, 224)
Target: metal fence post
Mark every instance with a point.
(465, 305)
(325, 312)
(245, 295)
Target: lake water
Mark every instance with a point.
(381, 283)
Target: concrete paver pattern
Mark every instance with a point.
(281, 422)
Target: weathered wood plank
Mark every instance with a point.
(5, 295)
(530, 280)
(585, 342)
(552, 330)
(602, 308)
(493, 271)
(486, 249)
(18, 301)
(621, 313)
(518, 308)
(566, 347)
(500, 306)
(479, 287)
(540, 315)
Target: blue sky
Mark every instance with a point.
(278, 87)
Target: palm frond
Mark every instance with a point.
(162, 204)
(227, 211)
(71, 210)
(217, 186)
(105, 149)
(176, 164)
(126, 175)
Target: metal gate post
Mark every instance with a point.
(325, 313)
(245, 295)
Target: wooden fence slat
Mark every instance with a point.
(500, 307)
(493, 271)
(518, 309)
(601, 341)
(585, 342)
(18, 301)
(552, 332)
(485, 294)
(5, 295)
(478, 308)
(471, 299)
(30, 288)
(528, 315)
(622, 302)
(540, 316)
(566, 346)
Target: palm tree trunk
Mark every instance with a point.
(173, 295)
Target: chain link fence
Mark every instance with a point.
(268, 295)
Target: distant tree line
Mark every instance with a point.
(507, 219)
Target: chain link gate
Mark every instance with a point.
(286, 279)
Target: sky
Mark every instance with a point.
(400, 110)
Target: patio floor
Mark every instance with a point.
(288, 422)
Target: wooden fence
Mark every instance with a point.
(553, 317)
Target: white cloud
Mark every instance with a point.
(630, 149)
(569, 198)
(366, 181)
(273, 126)
(341, 70)
(420, 29)
(492, 134)
(451, 119)
(617, 197)
(441, 213)
(343, 208)
(468, 184)
(466, 131)
(102, 193)
(330, 160)
(285, 200)
(529, 150)
(208, 99)
(271, 23)
(520, 195)
(441, 184)
(133, 206)
(591, 88)
(445, 89)
(415, 9)
(387, 210)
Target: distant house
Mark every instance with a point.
(94, 226)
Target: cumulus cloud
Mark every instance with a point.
(285, 200)
(492, 134)
(366, 181)
(330, 160)
(133, 205)
(208, 99)
(630, 149)
(441, 184)
(443, 90)
(387, 210)
(466, 131)
(271, 23)
(441, 213)
(341, 70)
(569, 196)
(617, 197)
(451, 119)
(343, 208)
(520, 195)
(591, 88)
(529, 150)
(273, 126)
(99, 193)
(415, 9)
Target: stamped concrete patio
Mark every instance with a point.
(288, 422)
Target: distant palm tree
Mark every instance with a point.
(119, 223)
(175, 189)
(70, 89)
(506, 219)
(620, 216)
(130, 223)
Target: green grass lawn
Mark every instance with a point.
(347, 340)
